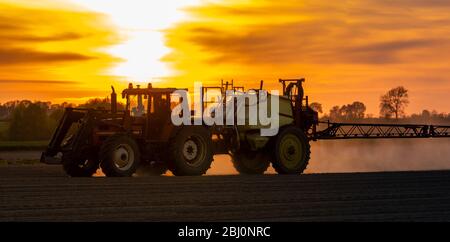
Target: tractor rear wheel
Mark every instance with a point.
(119, 156)
(248, 162)
(292, 151)
(85, 164)
(190, 151)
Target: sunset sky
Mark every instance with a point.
(354, 50)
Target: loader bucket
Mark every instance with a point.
(65, 138)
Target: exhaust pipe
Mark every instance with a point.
(113, 100)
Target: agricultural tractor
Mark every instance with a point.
(143, 137)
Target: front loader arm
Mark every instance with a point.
(71, 117)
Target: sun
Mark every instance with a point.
(140, 22)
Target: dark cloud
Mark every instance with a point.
(37, 82)
(14, 29)
(34, 38)
(21, 56)
(314, 32)
(411, 3)
(386, 52)
(346, 49)
(24, 31)
(4, 26)
(265, 43)
(44, 47)
(395, 45)
(302, 44)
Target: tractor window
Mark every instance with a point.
(137, 105)
(152, 104)
(175, 100)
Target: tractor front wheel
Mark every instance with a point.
(292, 151)
(119, 156)
(190, 151)
(85, 164)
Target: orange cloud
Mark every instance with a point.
(348, 50)
(49, 52)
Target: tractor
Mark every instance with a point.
(143, 136)
(121, 141)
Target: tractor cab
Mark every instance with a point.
(148, 108)
(137, 105)
(137, 100)
(304, 116)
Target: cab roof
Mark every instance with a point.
(149, 90)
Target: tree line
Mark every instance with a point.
(392, 108)
(26, 120)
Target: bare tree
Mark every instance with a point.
(394, 102)
(316, 107)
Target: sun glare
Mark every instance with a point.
(141, 23)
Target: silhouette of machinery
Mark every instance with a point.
(142, 137)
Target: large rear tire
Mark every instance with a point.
(119, 156)
(84, 164)
(190, 151)
(292, 151)
(248, 162)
